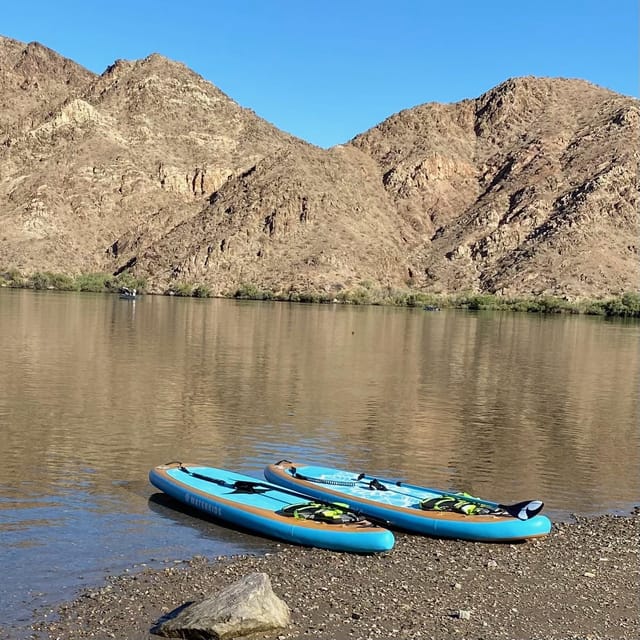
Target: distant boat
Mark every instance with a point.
(128, 294)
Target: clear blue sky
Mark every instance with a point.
(328, 70)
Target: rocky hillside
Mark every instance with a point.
(531, 188)
(132, 152)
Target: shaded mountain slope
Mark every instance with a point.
(296, 212)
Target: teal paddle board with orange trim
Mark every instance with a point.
(269, 510)
(413, 508)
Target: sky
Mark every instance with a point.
(326, 71)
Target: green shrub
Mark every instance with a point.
(393, 298)
(62, 282)
(201, 291)
(96, 282)
(247, 291)
(40, 281)
(182, 289)
(48, 280)
(527, 306)
(308, 297)
(13, 278)
(127, 280)
(594, 308)
(627, 305)
(631, 301)
(551, 304)
(314, 297)
(358, 296)
(251, 292)
(481, 301)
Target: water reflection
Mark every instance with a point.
(96, 390)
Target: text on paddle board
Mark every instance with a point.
(202, 504)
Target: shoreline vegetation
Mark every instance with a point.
(626, 305)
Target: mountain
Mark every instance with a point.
(532, 188)
(131, 152)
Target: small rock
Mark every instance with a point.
(245, 607)
(462, 614)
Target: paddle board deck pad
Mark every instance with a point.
(269, 510)
(414, 508)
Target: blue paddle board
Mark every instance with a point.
(413, 508)
(269, 510)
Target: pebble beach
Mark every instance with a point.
(580, 582)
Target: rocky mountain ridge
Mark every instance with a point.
(532, 188)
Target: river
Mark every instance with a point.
(95, 390)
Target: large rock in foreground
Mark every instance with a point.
(247, 606)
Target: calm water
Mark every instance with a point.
(95, 390)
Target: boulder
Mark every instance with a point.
(247, 606)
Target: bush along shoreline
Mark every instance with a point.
(626, 305)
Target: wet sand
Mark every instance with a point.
(580, 582)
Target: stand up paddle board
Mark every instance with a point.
(413, 508)
(270, 510)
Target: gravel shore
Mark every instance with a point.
(581, 582)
